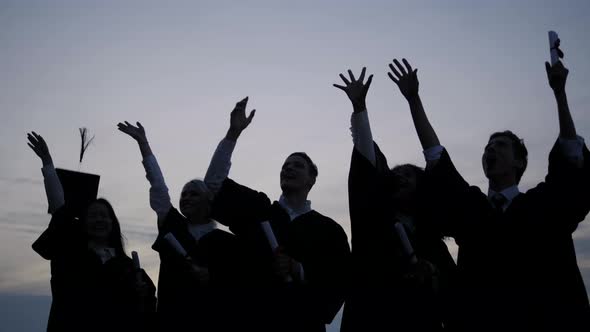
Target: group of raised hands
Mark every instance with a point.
(404, 77)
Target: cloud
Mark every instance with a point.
(21, 180)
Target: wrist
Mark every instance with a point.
(47, 161)
(360, 107)
(413, 98)
(233, 134)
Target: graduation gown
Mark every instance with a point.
(380, 299)
(88, 295)
(517, 269)
(186, 304)
(314, 240)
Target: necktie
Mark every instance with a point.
(498, 201)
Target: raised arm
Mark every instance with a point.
(220, 164)
(557, 76)
(406, 80)
(356, 91)
(53, 187)
(159, 197)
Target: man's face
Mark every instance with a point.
(498, 158)
(295, 174)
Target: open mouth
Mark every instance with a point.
(288, 176)
(491, 161)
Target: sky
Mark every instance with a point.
(179, 67)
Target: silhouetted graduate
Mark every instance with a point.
(94, 284)
(199, 284)
(299, 286)
(517, 263)
(391, 289)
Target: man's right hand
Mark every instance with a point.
(238, 120)
(38, 145)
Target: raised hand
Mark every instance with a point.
(557, 76)
(356, 90)
(405, 78)
(238, 119)
(137, 133)
(38, 145)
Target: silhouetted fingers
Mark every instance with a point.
(392, 78)
(399, 65)
(369, 80)
(362, 77)
(395, 72)
(341, 87)
(407, 64)
(351, 75)
(139, 125)
(344, 79)
(243, 102)
(251, 116)
(33, 139)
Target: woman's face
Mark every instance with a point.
(194, 204)
(99, 223)
(406, 185)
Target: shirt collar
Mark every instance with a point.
(294, 213)
(509, 193)
(200, 230)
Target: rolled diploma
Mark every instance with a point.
(406, 245)
(272, 240)
(135, 258)
(552, 40)
(171, 239)
(137, 267)
(270, 235)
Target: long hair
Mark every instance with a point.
(116, 239)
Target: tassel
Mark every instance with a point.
(85, 142)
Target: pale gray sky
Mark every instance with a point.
(180, 66)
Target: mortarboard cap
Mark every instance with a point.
(79, 188)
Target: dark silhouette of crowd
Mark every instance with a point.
(283, 266)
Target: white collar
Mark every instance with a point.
(294, 213)
(104, 253)
(509, 193)
(200, 230)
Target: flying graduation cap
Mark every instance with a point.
(79, 188)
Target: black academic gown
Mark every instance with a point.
(88, 295)
(314, 240)
(380, 299)
(517, 269)
(186, 304)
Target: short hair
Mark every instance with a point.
(313, 169)
(419, 171)
(520, 151)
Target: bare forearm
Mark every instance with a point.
(424, 129)
(567, 129)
